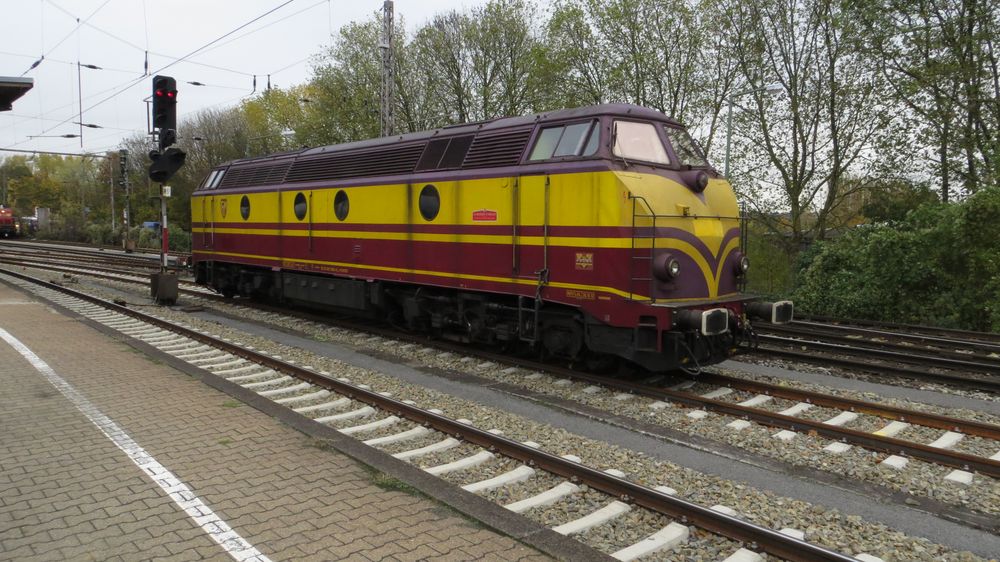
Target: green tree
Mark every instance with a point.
(941, 60)
(344, 94)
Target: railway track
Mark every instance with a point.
(899, 328)
(790, 421)
(342, 404)
(974, 365)
(930, 356)
(968, 354)
(20, 249)
(86, 247)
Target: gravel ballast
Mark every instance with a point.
(828, 527)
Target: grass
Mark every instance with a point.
(232, 404)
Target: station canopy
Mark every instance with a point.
(12, 88)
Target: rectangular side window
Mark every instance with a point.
(217, 180)
(566, 140)
(571, 143)
(546, 143)
(208, 181)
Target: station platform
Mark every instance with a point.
(107, 454)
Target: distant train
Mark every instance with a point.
(591, 234)
(8, 223)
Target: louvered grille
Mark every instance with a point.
(246, 176)
(377, 162)
(499, 149)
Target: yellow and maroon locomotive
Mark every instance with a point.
(590, 233)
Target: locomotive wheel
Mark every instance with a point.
(563, 338)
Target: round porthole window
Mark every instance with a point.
(430, 202)
(341, 206)
(300, 206)
(245, 207)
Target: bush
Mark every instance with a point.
(99, 234)
(771, 272)
(178, 239)
(940, 265)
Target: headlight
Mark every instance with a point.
(666, 267)
(742, 263)
(700, 182)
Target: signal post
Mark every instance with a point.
(165, 163)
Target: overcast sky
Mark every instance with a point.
(114, 35)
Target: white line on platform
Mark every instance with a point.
(235, 545)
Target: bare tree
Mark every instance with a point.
(799, 148)
(441, 49)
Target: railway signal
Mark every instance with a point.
(165, 164)
(164, 105)
(166, 161)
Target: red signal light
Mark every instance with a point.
(159, 93)
(171, 94)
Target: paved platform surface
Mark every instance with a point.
(68, 491)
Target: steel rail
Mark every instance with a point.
(968, 427)
(932, 348)
(109, 274)
(150, 253)
(988, 384)
(76, 262)
(769, 540)
(871, 441)
(127, 260)
(904, 336)
(888, 355)
(919, 328)
(37, 252)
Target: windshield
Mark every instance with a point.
(639, 141)
(687, 150)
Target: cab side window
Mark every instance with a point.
(577, 139)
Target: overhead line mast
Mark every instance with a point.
(387, 80)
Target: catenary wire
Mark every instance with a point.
(132, 83)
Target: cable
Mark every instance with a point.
(68, 35)
(265, 26)
(284, 68)
(132, 83)
(145, 50)
(126, 85)
(214, 41)
(33, 118)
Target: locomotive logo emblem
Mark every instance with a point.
(585, 261)
(222, 208)
(484, 215)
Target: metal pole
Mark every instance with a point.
(164, 247)
(79, 95)
(111, 178)
(387, 80)
(729, 134)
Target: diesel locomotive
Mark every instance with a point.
(593, 234)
